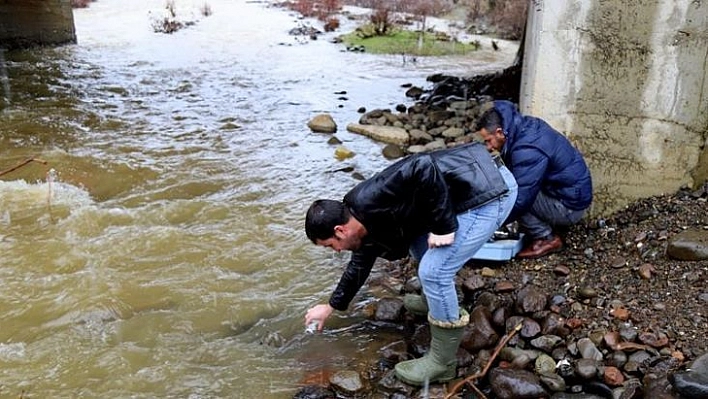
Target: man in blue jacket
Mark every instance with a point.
(440, 207)
(555, 187)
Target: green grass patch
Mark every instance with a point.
(399, 41)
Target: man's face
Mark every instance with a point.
(493, 140)
(344, 239)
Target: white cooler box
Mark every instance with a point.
(499, 249)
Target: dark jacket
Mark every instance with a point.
(419, 194)
(542, 159)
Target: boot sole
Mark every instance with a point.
(420, 384)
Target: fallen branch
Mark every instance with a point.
(470, 379)
(21, 164)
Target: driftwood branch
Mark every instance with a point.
(470, 379)
(21, 164)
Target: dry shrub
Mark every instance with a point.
(510, 17)
(305, 7)
(331, 25)
(381, 20)
(325, 8)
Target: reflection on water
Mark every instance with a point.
(166, 257)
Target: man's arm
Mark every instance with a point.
(354, 276)
(529, 168)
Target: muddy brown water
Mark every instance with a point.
(165, 256)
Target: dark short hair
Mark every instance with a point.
(323, 216)
(490, 121)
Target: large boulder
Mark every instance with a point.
(386, 134)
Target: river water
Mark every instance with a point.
(160, 250)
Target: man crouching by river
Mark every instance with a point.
(440, 208)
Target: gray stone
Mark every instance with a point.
(689, 245)
(385, 134)
(554, 382)
(347, 382)
(516, 384)
(322, 123)
(530, 299)
(588, 350)
(693, 382)
(389, 309)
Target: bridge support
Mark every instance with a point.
(29, 23)
(627, 82)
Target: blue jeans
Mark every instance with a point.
(438, 266)
(546, 213)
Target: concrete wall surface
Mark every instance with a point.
(28, 23)
(627, 82)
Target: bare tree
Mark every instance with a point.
(422, 9)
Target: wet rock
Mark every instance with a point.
(314, 392)
(347, 382)
(395, 352)
(544, 364)
(632, 389)
(518, 358)
(618, 262)
(342, 153)
(385, 134)
(530, 300)
(414, 92)
(390, 384)
(692, 382)
(588, 350)
(473, 283)
(553, 382)
(617, 359)
(646, 271)
(554, 324)
(504, 286)
(654, 340)
(392, 151)
(479, 333)
(546, 343)
(516, 384)
(587, 292)
(322, 123)
(689, 245)
(613, 376)
(586, 368)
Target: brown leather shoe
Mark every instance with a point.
(541, 247)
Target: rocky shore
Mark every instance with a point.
(621, 312)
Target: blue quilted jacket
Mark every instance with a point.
(542, 159)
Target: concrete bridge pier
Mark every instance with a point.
(627, 82)
(29, 23)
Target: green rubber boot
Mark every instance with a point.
(440, 363)
(416, 304)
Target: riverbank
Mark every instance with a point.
(611, 316)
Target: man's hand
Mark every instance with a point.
(435, 240)
(319, 313)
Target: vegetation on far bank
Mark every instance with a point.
(395, 27)
(403, 41)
